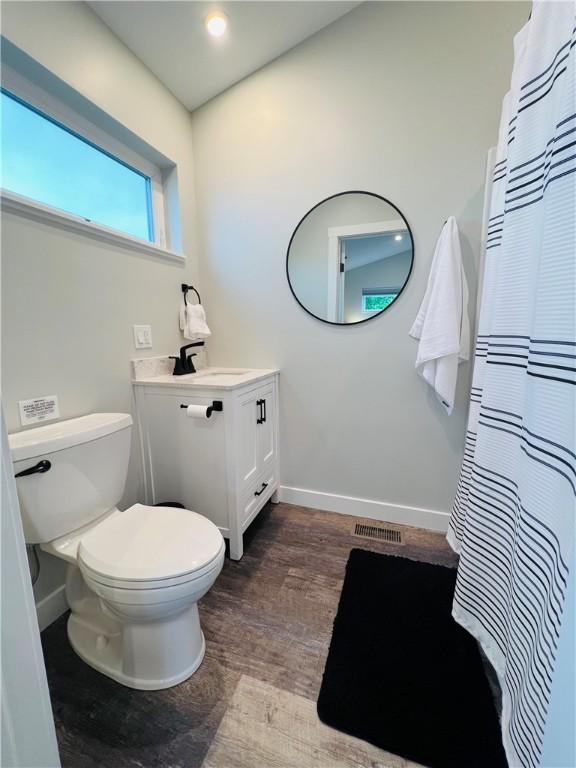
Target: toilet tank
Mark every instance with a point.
(88, 466)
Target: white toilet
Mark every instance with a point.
(135, 577)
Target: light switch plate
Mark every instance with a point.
(143, 336)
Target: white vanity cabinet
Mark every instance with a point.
(224, 467)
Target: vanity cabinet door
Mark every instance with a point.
(247, 439)
(256, 436)
(267, 429)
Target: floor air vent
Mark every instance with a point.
(376, 532)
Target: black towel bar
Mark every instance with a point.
(186, 288)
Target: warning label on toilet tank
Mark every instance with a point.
(38, 409)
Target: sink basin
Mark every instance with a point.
(225, 378)
(223, 372)
(220, 375)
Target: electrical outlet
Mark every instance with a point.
(143, 336)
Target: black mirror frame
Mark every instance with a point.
(331, 197)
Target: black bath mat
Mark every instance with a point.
(402, 674)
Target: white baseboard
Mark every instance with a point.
(51, 607)
(418, 517)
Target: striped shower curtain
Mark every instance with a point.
(514, 512)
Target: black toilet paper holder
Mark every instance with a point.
(217, 405)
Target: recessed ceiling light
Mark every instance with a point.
(397, 237)
(216, 23)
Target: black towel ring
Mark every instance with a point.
(186, 288)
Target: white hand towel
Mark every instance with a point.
(442, 323)
(193, 322)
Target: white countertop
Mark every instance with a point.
(209, 378)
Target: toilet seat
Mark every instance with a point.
(150, 548)
(152, 585)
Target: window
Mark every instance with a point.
(51, 164)
(377, 300)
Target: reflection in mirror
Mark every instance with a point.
(350, 258)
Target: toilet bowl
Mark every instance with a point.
(134, 589)
(134, 576)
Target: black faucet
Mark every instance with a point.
(184, 363)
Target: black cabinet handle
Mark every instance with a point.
(265, 413)
(260, 418)
(261, 491)
(42, 466)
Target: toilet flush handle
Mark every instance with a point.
(42, 466)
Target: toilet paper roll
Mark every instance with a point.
(199, 411)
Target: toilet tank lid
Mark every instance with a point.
(64, 434)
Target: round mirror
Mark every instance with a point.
(350, 258)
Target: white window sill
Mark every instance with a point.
(24, 206)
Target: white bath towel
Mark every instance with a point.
(193, 322)
(442, 323)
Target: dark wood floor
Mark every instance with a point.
(268, 618)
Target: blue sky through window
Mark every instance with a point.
(48, 163)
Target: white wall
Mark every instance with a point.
(400, 99)
(68, 302)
